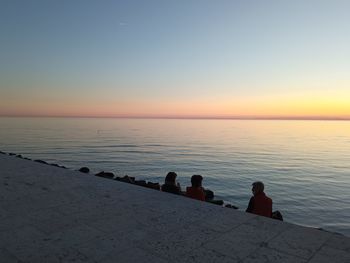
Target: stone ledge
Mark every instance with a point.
(50, 214)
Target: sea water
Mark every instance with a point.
(305, 165)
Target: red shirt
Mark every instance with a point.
(195, 193)
(261, 205)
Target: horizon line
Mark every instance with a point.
(189, 117)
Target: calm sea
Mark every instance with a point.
(305, 165)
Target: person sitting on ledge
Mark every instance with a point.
(170, 184)
(259, 204)
(196, 190)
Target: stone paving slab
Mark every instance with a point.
(50, 214)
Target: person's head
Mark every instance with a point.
(196, 180)
(171, 178)
(258, 187)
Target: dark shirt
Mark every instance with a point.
(250, 205)
(170, 188)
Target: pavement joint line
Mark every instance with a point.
(267, 242)
(317, 250)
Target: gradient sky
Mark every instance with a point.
(175, 58)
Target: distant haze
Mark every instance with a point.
(175, 59)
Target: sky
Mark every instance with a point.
(184, 58)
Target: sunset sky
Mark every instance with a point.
(185, 58)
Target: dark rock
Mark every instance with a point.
(40, 161)
(231, 206)
(155, 186)
(26, 158)
(62, 166)
(141, 182)
(19, 156)
(132, 179)
(127, 179)
(277, 215)
(216, 202)
(105, 175)
(12, 154)
(55, 164)
(84, 170)
(209, 195)
(1, 152)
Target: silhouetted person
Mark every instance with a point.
(259, 204)
(170, 184)
(196, 191)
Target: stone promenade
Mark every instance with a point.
(50, 214)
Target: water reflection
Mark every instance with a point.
(305, 164)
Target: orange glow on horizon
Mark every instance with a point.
(277, 106)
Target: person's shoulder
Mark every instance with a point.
(269, 199)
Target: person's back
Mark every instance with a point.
(170, 188)
(170, 184)
(195, 193)
(196, 190)
(260, 204)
